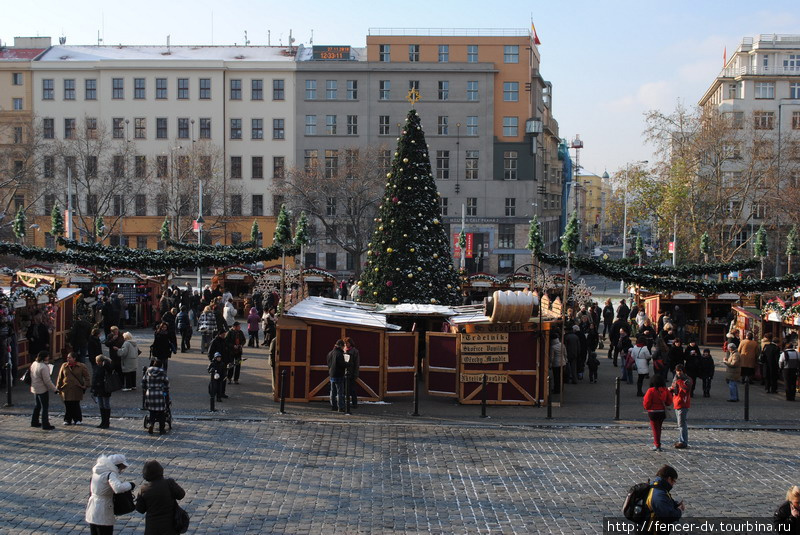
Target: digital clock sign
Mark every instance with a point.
(331, 53)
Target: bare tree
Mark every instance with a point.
(342, 193)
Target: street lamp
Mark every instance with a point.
(625, 218)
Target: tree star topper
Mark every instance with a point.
(413, 96)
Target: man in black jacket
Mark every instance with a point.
(235, 341)
(336, 369)
(608, 318)
(220, 345)
(770, 355)
(355, 364)
(620, 323)
(623, 310)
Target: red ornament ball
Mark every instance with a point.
(389, 283)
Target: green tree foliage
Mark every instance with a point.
(791, 242)
(56, 221)
(639, 248)
(99, 226)
(535, 242)
(254, 231)
(164, 232)
(571, 237)
(409, 258)
(301, 236)
(705, 245)
(20, 224)
(283, 232)
(760, 249)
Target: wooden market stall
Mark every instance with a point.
(479, 285)
(140, 294)
(239, 281)
(782, 321)
(749, 319)
(706, 318)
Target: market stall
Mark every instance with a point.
(707, 319)
(239, 281)
(748, 319)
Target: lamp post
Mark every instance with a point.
(200, 222)
(625, 218)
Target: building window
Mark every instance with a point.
(444, 53)
(472, 53)
(505, 234)
(139, 88)
(510, 126)
(413, 85)
(310, 160)
(505, 263)
(350, 163)
(277, 89)
(472, 165)
(278, 129)
(510, 91)
(236, 167)
(384, 89)
(733, 91)
(118, 128)
(511, 54)
(352, 125)
(278, 167)
(385, 53)
(331, 163)
(444, 90)
(69, 128)
(161, 128)
(764, 120)
(311, 125)
(48, 91)
(257, 128)
(236, 129)
(256, 89)
(183, 88)
(472, 206)
(48, 128)
(330, 206)
(91, 128)
(91, 166)
(311, 90)
(236, 89)
(140, 166)
(352, 89)
(236, 237)
(236, 205)
(69, 89)
(257, 167)
(257, 204)
(385, 160)
(17, 135)
(90, 89)
(140, 204)
(162, 167)
(117, 88)
(17, 104)
(442, 206)
(91, 204)
(205, 128)
(472, 125)
(796, 120)
(310, 259)
(140, 128)
(161, 88)
(161, 204)
(765, 90)
(383, 125)
(794, 90)
(738, 120)
(330, 261)
(442, 127)
(472, 90)
(205, 88)
(49, 170)
(792, 63)
(443, 164)
(510, 165)
(118, 205)
(511, 207)
(183, 128)
(413, 53)
(141, 242)
(331, 89)
(330, 125)
(16, 78)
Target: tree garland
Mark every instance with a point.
(210, 248)
(595, 265)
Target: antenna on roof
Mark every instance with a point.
(62, 40)
(269, 38)
(99, 39)
(246, 40)
(311, 41)
(168, 43)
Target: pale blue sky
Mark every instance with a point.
(609, 61)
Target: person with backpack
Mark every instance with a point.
(707, 371)
(789, 363)
(663, 508)
(655, 402)
(641, 358)
(681, 401)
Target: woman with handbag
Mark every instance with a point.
(104, 485)
(128, 354)
(101, 389)
(157, 500)
(73, 380)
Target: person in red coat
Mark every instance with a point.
(682, 400)
(656, 400)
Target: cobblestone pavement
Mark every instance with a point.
(339, 475)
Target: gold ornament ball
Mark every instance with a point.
(375, 294)
(419, 269)
(397, 269)
(405, 235)
(433, 301)
(360, 283)
(389, 175)
(389, 250)
(376, 270)
(436, 255)
(380, 228)
(449, 286)
(394, 300)
(369, 253)
(405, 160)
(410, 275)
(411, 250)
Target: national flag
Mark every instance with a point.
(535, 36)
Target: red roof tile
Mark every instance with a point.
(20, 54)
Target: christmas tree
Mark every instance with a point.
(164, 233)
(56, 221)
(254, 232)
(409, 258)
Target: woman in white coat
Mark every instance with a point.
(128, 353)
(641, 358)
(105, 483)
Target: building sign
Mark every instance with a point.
(478, 378)
(484, 359)
(484, 348)
(327, 53)
(457, 250)
(472, 338)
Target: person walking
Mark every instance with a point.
(235, 341)
(100, 389)
(162, 348)
(663, 508)
(183, 323)
(786, 518)
(157, 499)
(623, 311)
(114, 341)
(608, 318)
(749, 353)
(41, 386)
(789, 363)
(79, 338)
(229, 313)
(681, 401)
(128, 354)
(218, 373)
(95, 346)
(336, 369)
(707, 371)
(676, 355)
(269, 324)
(691, 359)
(641, 358)
(73, 380)
(355, 363)
(572, 345)
(557, 361)
(770, 356)
(104, 484)
(624, 345)
(155, 384)
(253, 321)
(733, 371)
(655, 402)
(38, 335)
(207, 327)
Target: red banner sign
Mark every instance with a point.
(468, 247)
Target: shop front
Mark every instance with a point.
(707, 320)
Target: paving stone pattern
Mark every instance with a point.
(342, 475)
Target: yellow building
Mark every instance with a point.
(595, 195)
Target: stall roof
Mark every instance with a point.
(412, 309)
(61, 293)
(335, 310)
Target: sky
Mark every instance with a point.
(609, 61)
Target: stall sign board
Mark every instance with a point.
(483, 348)
(235, 276)
(471, 338)
(774, 316)
(124, 280)
(684, 296)
(729, 297)
(478, 377)
(484, 359)
(500, 327)
(80, 278)
(43, 299)
(313, 278)
(481, 284)
(20, 303)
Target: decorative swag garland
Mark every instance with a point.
(211, 248)
(687, 270)
(147, 261)
(675, 280)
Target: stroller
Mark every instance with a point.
(167, 411)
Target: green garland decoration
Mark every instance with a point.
(596, 265)
(283, 232)
(254, 232)
(163, 232)
(792, 242)
(56, 221)
(535, 241)
(19, 225)
(99, 224)
(705, 244)
(760, 249)
(571, 237)
(210, 248)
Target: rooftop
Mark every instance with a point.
(161, 52)
(452, 32)
(19, 54)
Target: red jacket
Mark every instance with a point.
(681, 393)
(656, 399)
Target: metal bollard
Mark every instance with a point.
(144, 392)
(9, 379)
(416, 395)
(347, 391)
(616, 398)
(284, 374)
(483, 398)
(747, 399)
(549, 398)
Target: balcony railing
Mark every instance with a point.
(749, 70)
(451, 32)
